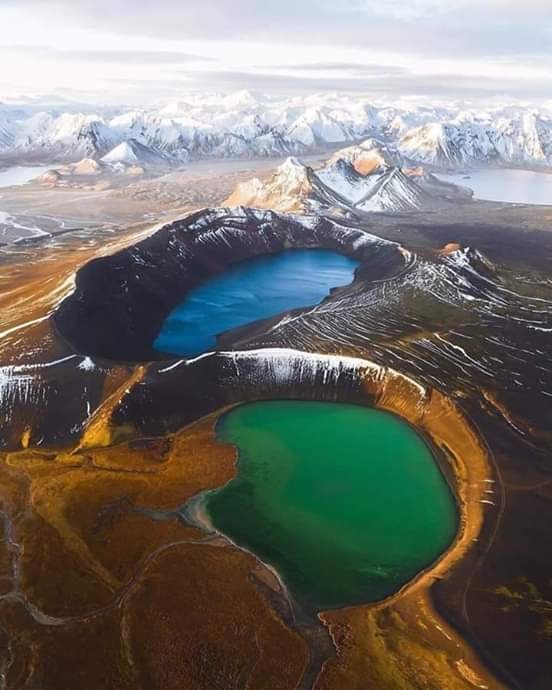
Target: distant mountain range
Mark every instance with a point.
(243, 125)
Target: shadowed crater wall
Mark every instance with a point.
(121, 301)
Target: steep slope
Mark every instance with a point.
(6, 133)
(289, 189)
(337, 184)
(67, 136)
(467, 141)
(371, 155)
(448, 144)
(122, 153)
(394, 191)
(131, 153)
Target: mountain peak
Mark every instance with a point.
(337, 185)
(123, 153)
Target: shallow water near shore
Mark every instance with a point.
(250, 290)
(347, 503)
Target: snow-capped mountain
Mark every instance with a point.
(368, 157)
(66, 136)
(131, 152)
(340, 184)
(460, 142)
(245, 125)
(122, 153)
(289, 189)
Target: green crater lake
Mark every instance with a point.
(347, 503)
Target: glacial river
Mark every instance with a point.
(250, 290)
(346, 502)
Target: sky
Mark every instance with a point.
(141, 52)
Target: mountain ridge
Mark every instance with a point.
(245, 126)
(338, 185)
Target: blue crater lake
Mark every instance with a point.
(248, 291)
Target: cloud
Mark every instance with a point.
(385, 85)
(439, 27)
(129, 57)
(479, 46)
(357, 68)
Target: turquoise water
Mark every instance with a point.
(346, 502)
(250, 290)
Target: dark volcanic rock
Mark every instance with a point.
(121, 301)
(171, 396)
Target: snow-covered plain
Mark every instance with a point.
(243, 125)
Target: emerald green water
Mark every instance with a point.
(347, 503)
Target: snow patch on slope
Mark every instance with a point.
(123, 153)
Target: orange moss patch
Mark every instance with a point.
(111, 598)
(198, 622)
(401, 646)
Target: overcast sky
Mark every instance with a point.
(142, 51)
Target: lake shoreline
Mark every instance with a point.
(468, 478)
(508, 185)
(253, 289)
(19, 175)
(468, 475)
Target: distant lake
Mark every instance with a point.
(505, 184)
(250, 290)
(20, 174)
